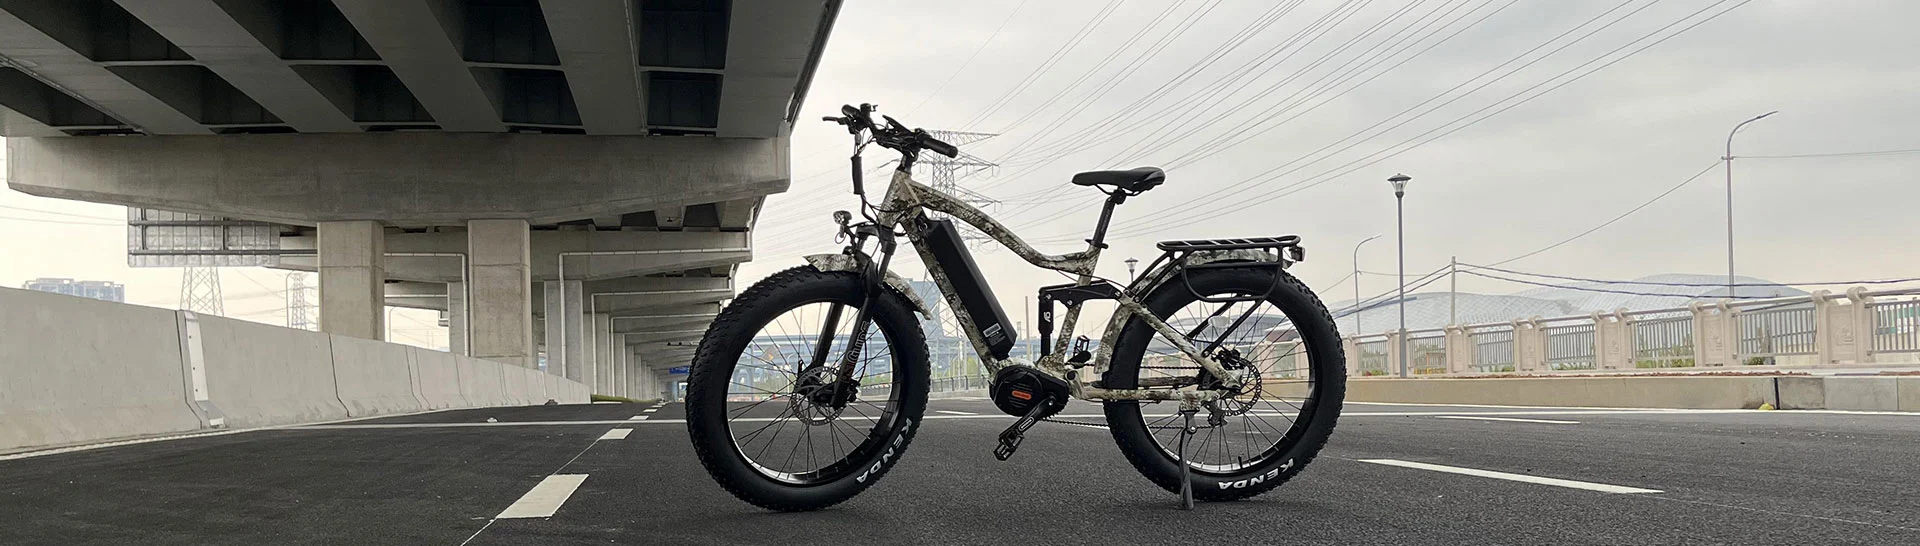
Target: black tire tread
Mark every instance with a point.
(730, 322)
(1138, 454)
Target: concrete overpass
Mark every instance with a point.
(573, 177)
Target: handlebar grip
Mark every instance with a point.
(938, 147)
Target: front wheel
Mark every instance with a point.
(1264, 432)
(784, 434)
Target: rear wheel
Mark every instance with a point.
(783, 434)
(1263, 433)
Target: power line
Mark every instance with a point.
(67, 214)
(1689, 284)
(1835, 154)
(1603, 290)
(1025, 82)
(1280, 170)
(969, 62)
(63, 222)
(1623, 215)
(1389, 152)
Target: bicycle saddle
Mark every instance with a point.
(1135, 180)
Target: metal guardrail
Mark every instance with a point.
(1774, 332)
(1570, 347)
(1663, 342)
(1373, 358)
(961, 383)
(1492, 349)
(1427, 354)
(1896, 326)
(1771, 331)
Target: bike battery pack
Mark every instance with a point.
(942, 238)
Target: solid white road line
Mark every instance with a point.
(544, 499)
(951, 412)
(1572, 484)
(637, 418)
(617, 434)
(1509, 419)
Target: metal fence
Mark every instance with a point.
(1896, 326)
(1492, 350)
(1373, 358)
(1663, 342)
(1765, 334)
(961, 383)
(1427, 354)
(1570, 347)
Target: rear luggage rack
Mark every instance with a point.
(1285, 249)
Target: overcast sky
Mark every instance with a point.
(1283, 146)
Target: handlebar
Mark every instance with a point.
(894, 135)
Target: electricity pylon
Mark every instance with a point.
(200, 291)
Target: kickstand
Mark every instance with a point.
(1186, 471)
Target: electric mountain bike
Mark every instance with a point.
(1221, 375)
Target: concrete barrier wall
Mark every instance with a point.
(1632, 392)
(438, 379)
(74, 370)
(261, 375)
(374, 378)
(116, 371)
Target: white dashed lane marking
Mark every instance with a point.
(545, 498)
(1508, 419)
(617, 434)
(637, 418)
(1556, 482)
(951, 412)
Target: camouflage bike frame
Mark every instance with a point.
(907, 201)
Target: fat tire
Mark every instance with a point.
(721, 346)
(1325, 354)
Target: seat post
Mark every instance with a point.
(1099, 239)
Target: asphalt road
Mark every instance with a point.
(1726, 477)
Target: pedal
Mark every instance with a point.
(1081, 355)
(1011, 437)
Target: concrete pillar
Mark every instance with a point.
(499, 278)
(1459, 349)
(353, 278)
(457, 318)
(564, 310)
(1529, 346)
(1612, 340)
(617, 354)
(1713, 340)
(603, 353)
(1841, 327)
(1352, 348)
(1393, 353)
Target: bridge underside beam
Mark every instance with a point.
(405, 179)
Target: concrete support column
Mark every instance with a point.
(1713, 326)
(353, 278)
(457, 318)
(603, 353)
(564, 329)
(618, 355)
(499, 275)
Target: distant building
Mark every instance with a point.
(99, 290)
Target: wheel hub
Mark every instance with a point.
(818, 398)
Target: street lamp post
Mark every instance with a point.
(1399, 182)
(1356, 283)
(1130, 263)
(1729, 167)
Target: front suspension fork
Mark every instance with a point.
(872, 278)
